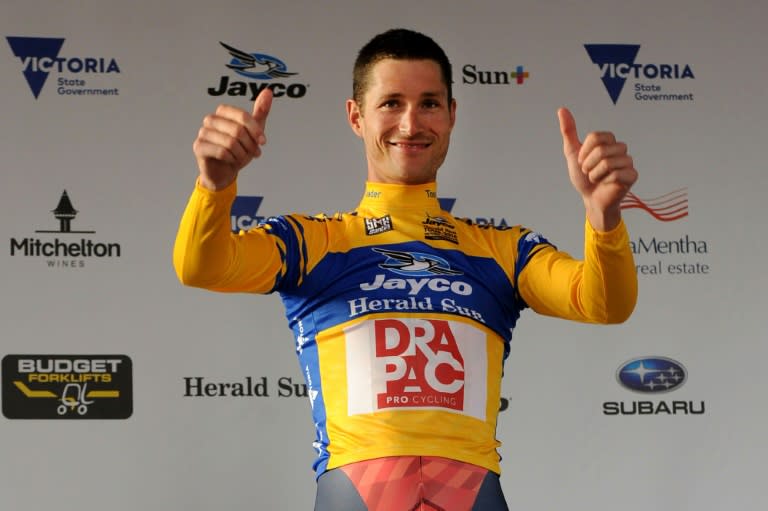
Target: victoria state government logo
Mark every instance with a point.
(39, 57)
(67, 386)
(60, 248)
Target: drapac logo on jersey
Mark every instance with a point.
(616, 63)
(244, 212)
(39, 57)
(470, 75)
(409, 363)
(67, 387)
(256, 66)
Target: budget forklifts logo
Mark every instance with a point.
(652, 82)
(67, 386)
(39, 57)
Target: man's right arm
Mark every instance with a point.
(206, 253)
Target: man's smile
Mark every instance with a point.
(408, 145)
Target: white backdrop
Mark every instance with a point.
(125, 161)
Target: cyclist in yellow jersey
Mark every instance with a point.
(402, 313)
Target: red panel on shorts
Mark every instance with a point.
(413, 483)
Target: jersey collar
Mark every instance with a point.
(391, 198)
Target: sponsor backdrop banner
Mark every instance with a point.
(122, 388)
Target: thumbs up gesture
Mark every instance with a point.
(600, 169)
(229, 139)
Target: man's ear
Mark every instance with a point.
(353, 116)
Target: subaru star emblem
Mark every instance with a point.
(651, 374)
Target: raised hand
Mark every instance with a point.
(600, 169)
(229, 139)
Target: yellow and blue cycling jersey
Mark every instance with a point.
(402, 314)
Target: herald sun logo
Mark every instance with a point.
(411, 363)
(471, 75)
(421, 364)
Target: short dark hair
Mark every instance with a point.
(401, 44)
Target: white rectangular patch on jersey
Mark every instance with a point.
(412, 364)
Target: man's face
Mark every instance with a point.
(405, 121)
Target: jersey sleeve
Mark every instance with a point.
(208, 255)
(600, 289)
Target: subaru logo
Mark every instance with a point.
(651, 374)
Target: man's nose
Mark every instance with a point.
(409, 121)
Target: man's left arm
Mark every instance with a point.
(603, 287)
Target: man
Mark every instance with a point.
(402, 313)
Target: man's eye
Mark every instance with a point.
(390, 104)
(431, 104)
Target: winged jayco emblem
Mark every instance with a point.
(415, 263)
(256, 65)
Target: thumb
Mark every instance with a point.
(262, 105)
(571, 143)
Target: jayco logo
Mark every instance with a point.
(257, 66)
(420, 362)
(617, 63)
(415, 286)
(416, 264)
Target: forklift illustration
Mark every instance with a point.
(74, 396)
(76, 399)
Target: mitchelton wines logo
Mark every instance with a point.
(62, 251)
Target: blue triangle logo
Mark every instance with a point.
(31, 51)
(446, 203)
(603, 55)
